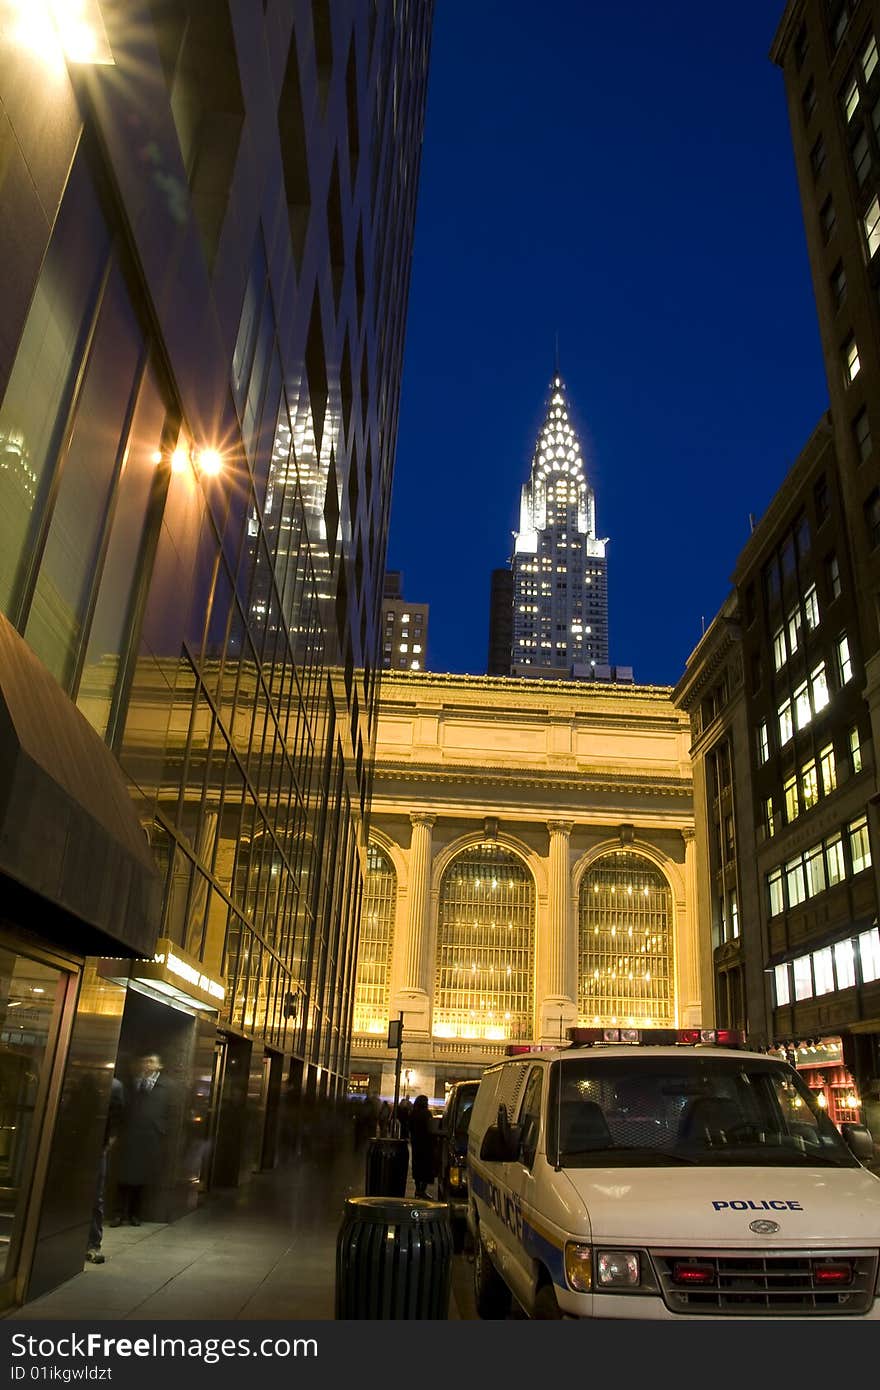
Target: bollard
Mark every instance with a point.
(393, 1259)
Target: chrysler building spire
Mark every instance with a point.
(560, 591)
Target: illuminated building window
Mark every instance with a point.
(485, 947)
(371, 992)
(625, 946)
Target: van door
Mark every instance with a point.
(522, 1185)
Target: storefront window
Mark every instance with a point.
(30, 999)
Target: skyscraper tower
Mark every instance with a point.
(560, 586)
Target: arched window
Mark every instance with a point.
(373, 983)
(485, 947)
(625, 949)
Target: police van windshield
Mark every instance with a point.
(696, 1109)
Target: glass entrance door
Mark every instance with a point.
(32, 995)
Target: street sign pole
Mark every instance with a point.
(395, 1039)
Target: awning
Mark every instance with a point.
(68, 828)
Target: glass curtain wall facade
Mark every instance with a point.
(197, 434)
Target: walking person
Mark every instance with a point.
(422, 1148)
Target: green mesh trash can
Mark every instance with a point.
(393, 1259)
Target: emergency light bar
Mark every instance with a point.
(658, 1037)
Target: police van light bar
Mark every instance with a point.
(658, 1037)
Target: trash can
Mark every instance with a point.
(387, 1165)
(393, 1259)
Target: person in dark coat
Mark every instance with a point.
(421, 1143)
(142, 1143)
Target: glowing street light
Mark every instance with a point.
(210, 462)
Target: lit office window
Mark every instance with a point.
(859, 844)
(764, 741)
(774, 893)
(795, 882)
(814, 867)
(869, 954)
(828, 768)
(844, 660)
(790, 792)
(850, 100)
(803, 978)
(834, 861)
(819, 688)
(851, 364)
(855, 749)
(779, 652)
(802, 711)
(823, 971)
(811, 608)
(783, 986)
(809, 784)
(786, 724)
(845, 964)
(871, 226)
(869, 57)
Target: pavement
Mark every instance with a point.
(264, 1250)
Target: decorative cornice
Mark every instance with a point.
(574, 780)
(575, 690)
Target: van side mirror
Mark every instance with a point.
(859, 1141)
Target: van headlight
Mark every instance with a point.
(579, 1266)
(618, 1269)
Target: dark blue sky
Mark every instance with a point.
(622, 174)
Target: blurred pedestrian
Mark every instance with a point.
(115, 1113)
(404, 1109)
(421, 1143)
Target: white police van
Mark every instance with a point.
(619, 1180)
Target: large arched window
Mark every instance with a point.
(485, 947)
(625, 949)
(373, 983)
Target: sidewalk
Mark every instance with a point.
(265, 1250)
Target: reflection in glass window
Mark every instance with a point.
(372, 986)
(43, 380)
(109, 625)
(88, 472)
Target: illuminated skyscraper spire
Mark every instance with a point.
(560, 590)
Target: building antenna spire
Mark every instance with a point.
(556, 355)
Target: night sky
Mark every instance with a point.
(621, 174)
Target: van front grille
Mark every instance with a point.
(767, 1282)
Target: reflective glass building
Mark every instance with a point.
(205, 246)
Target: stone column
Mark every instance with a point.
(688, 945)
(558, 1009)
(415, 1000)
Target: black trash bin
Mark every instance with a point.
(393, 1259)
(387, 1166)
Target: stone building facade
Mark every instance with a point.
(531, 865)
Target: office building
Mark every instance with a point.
(559, 568)
(531, 865)
(404, 627)
(204, 263)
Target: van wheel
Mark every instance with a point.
(546, 1306)
(491, 1294)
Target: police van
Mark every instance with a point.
(665, 1175)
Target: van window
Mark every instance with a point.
(530, 1117)
(464, 1104)
(693, 1109)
